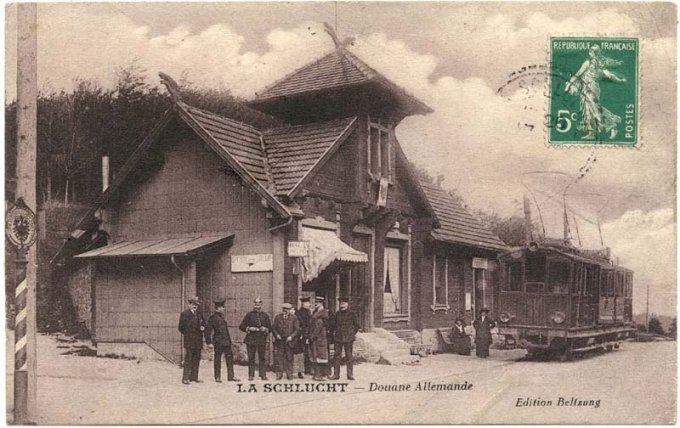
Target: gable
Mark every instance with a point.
(295, 153)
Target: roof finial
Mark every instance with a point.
(171, 86)
(338, 44)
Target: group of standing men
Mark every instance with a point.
(301, 340)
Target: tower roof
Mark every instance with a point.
(337, 70)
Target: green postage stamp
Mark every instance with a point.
(594, 83)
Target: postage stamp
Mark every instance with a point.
(593, 91)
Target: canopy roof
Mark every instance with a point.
(324, 248)
(158, 247)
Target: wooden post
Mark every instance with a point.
(27, 90)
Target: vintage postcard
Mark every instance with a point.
(340, 213)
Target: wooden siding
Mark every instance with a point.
(336, 179)
(191, 194)
(139, 301)
(460, 279)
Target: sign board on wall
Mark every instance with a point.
(252, 263)
(468, 301)
(298, 248)
(480, 263)
(382, 193)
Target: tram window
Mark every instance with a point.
(534, 269)
(619, 283)
(591, 280)
(514, 275)
(558, 277)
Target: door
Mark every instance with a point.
(392, 296)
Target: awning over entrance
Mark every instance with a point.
(159, 247)
(324, 248)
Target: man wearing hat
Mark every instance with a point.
(345, 326)
(217, 337)
(191, 325)
(483, 326)
(304, 315)
(285, 329)
(318, 339)
(257, 325)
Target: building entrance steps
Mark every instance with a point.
(384, 346)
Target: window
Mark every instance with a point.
(534, 270)
(514, 277)
(380, 152)
(558, 277)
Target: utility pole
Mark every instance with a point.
(647, 311)
(20, 221)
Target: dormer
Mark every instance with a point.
(335, 86)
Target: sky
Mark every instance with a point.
(454, 57)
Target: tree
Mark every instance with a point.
(672, 329)
(510, 230)
(655, 326)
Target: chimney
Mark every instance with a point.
(527, 219)
(105, 173)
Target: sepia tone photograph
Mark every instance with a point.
(233, 213)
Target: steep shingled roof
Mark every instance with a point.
(457, 225)
(294, 151)
(331, 71)
(240, 140)
(338, 69)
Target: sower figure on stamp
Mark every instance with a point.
(345, 327)
(483, 326)
(285, 330)
(318, 340)
(191, 325)
(304, 315)
(256, 324)
(217, 337)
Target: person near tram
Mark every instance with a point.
(483, 326)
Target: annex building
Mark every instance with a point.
(324, 204)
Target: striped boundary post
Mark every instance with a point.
(20, 340)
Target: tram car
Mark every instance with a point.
(557, 299)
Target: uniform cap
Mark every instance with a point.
(343, 299)
(194, 300)
(305, 299)
(257, 300)
(320, 299)
(219, 303)
(287, 306)
(484, 310)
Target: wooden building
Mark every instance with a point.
(326, 204)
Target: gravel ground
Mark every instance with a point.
(635, 384)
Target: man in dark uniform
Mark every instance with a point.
(483, 326)
(217, 337)
(191, 325)
(256, 324)
(345, 326)
(285, 330)
(304, 315)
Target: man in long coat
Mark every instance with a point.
(483, 326)
(217, 337)
(191, 325)
(257, 325)
(345, 327)
(318, 340)
(304, 316)
(285, 329)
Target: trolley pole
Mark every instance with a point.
(21, 224)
